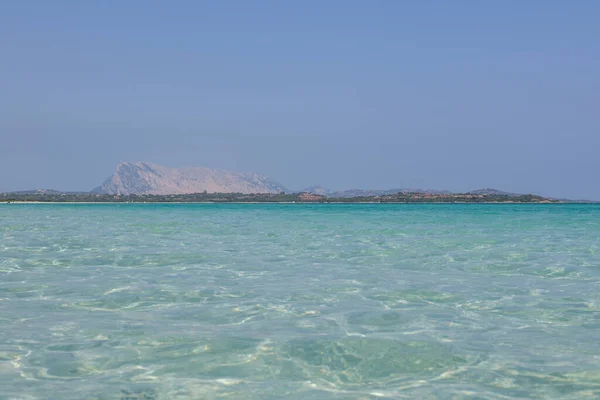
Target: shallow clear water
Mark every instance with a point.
(299, 301)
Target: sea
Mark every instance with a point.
(299, 301)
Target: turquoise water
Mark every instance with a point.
(142, 301)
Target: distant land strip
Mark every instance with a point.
(306, 197)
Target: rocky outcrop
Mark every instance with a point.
(146, 178)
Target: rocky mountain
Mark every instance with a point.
(146, 178)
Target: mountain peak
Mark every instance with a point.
(148, 178)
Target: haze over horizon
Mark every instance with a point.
(372, 95)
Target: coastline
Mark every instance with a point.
(295, 202)
(278, 198)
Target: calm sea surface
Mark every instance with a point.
(142, 301)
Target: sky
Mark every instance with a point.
(454, 95)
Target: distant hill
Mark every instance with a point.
(317, 190)
(146, 178)
(42, 192)
(366, 193)
(495, 192)
(385, 192)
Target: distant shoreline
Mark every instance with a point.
(296, 202)
(279, 198)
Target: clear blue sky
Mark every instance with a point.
(451, 95)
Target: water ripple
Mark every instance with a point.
(299, 301)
